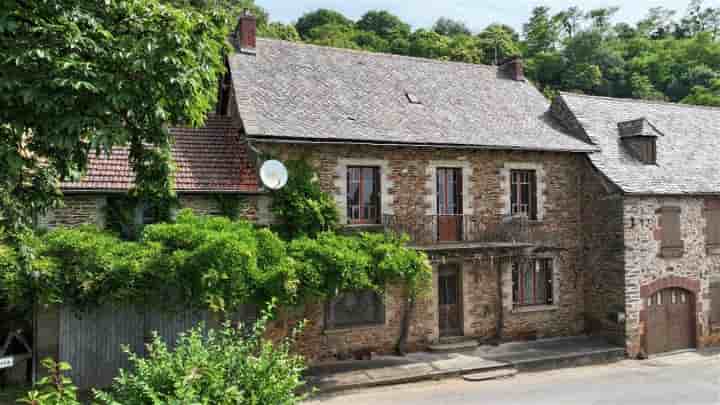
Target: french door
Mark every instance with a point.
(449, 204)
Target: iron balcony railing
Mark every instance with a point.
(434, 229)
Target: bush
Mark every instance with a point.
(55, 389)
(206, 262)
(223, 367)
(301, 206)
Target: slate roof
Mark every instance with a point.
(306, 92)
(688, 144)
(208, 159)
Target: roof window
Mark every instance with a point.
(639, 137)
(412, 98)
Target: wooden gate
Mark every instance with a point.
(670, 321)
(91, 342)
(449, 306)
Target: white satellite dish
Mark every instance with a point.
(273, 174)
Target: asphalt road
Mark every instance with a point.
(682, 379)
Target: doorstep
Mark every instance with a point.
(523, 356)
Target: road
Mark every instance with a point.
(682, 379)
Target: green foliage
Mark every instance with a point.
(82, 76)
(55, 389)
(204, 262)
(230, 205)
(317, 18)
(224, 367)
(450, 27)
(301, 206)
(384, 24)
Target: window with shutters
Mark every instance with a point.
(358, 308)
(715, 304)
(363, 197)
(533, 282)
(712, 230)
(523, 193)
(671, 244)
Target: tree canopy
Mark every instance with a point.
(80, 77)
(667, 55)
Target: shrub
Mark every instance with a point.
(222, 367)
(55, 389)
(302, 208)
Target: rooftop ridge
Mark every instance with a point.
(380, 54)
(640, 101)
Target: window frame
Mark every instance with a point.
(519, 198)
(330, 318)
(442, 196)
(518, 277)
(377, 199)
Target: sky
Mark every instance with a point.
(477, 14)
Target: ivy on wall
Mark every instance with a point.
(207, 262)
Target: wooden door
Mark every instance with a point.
(670, 321)
(449, 302)
(449, 204)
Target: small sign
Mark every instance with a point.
(6, 362)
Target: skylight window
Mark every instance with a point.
(412, 98)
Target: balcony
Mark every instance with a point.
(448, 230)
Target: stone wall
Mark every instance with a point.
(409, 172)
(603, 255)
(646, 270)
(84, 209)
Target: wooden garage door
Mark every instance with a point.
(670, 321)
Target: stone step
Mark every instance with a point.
(491, 374)
(457, 346)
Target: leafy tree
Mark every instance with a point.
(81, 77)
(570, 21)
(449, 27)
(428, 44)
(542, 32)
(600, 17)
(384, 24)
(642, 88)
(498, 42)
(279, 30)
(335, 35)
(658, 24)
(317, 18)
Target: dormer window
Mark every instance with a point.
(640, 139)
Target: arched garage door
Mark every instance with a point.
(670, 321)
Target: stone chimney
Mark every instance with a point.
(246, 32)
(513, 67)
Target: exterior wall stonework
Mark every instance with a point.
(603, 256)
(646, 270)
(410, 172)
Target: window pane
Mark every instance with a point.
(527, 283)
(540, 282)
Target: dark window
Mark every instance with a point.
(355, 309)
(715, 304)
(449, 191)
(671, 236)
(363, 195)
(523, 193)
(532, 282)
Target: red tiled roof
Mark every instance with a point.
(208, 159)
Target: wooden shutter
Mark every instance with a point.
(671, 243)
(533, 196)
(715, 303)
(712, 228)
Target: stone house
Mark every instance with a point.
(651, 220)
(465, 159)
